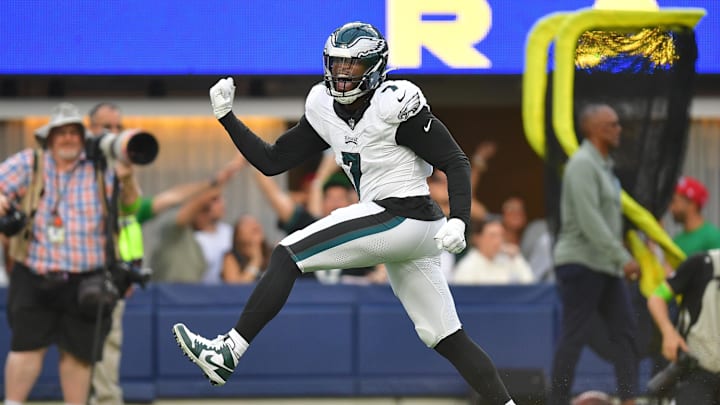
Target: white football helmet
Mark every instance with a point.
(351, 45)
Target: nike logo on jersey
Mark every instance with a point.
(400, 99)
(427, 127)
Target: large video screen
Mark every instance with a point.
(280, 37)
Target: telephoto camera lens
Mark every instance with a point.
(132, 146)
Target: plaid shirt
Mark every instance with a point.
(78, 204)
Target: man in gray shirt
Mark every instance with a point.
(590, 259)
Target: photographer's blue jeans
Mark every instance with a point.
(585, 295)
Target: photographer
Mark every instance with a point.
(66, 198)
(693, 347)
(107, 118)
(104, 118)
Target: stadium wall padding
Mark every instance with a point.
(328, 341)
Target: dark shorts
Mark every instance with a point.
(44, 310)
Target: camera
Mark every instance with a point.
(125, 274)
(132, 146)
(663, 382)
(104, 288)
(13, 221)
(97, 290)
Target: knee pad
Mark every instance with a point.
(432, 337)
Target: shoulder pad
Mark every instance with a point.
(314, 102)
(316, 93)
(398, 100)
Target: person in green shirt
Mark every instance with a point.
(107, 117)
(698, 235)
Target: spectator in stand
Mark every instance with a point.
(302, 193)
(490, 260)
(250, 252)
(514, 219)
(194, 240)
(698, 234)
(533, 239)
(536, 247)
(213, 235)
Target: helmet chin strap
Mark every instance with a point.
(345, 100)
(342, 97)
(365, 97)
(348, 99)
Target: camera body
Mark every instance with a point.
(132, 146)
(13, 221)
(105, 288)
(97, 290)
(664, 381)
(124, 275)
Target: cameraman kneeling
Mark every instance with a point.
(698, 281)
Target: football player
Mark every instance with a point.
(384, 136)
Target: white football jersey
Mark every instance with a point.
(366, 149)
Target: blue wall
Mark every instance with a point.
(327, 341)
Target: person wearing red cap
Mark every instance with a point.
(698, 235)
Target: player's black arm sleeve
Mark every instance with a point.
(437, 147)
(290, 149)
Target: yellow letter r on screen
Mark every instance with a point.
(450, 39)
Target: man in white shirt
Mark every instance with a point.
(214, 237)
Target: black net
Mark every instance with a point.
(647, 77)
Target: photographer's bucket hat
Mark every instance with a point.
(61, 114)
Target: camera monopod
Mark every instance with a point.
(107, 288)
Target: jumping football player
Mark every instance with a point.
(386, 139)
